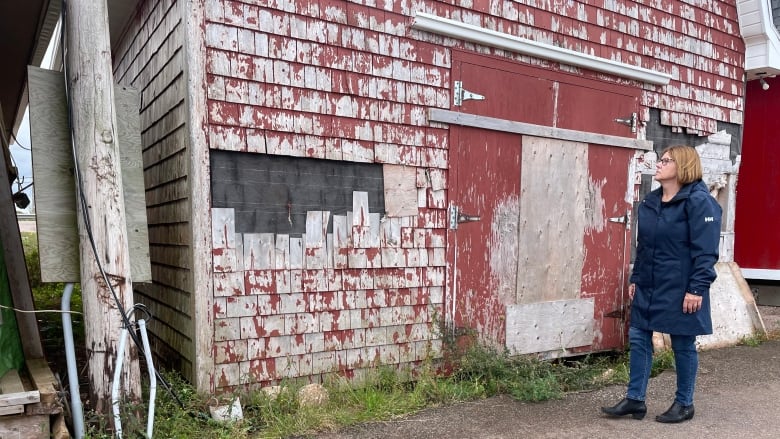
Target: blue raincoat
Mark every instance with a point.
(677, 248)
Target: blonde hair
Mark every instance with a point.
(688, 163)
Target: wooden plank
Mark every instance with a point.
(27, 427)
(173, 255)
(12, 391)
(549, 326)
(129, 134)
(340, 234)
(166, 171)
(259, 251)
(400, 190)
(223, 228)
(391, 233)
(55, 185)
(174, 143)
(282, 250)
(315, 235)
(491, 123)
(296, 253)
(12, 410)
(18, 280)
(375, 231)
(360, 209)
(43, 379)
(11, 382)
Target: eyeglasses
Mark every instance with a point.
(665, 161)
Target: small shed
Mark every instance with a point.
(331, 185)
(336, 185)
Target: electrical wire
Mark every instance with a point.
(82, 202)
(36, 311)
(16, 141)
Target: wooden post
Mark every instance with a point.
(18, 279)
(90, 84)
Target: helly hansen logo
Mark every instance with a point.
(708, 219)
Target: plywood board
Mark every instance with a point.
(400, 190)
(549, 326)
(53, 171)
(128, 121)
(553, 185)
(55, 184)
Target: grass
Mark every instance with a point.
(386, 393)
(47, 296)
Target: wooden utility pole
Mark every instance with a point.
(90, 84)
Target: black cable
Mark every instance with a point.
(85, 213)
(16, 141)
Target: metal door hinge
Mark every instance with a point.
(456, 217)
(629, 121)
(461, 94)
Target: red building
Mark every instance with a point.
(757, 238)
(332, 185)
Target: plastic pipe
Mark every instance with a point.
(70, 356)
(120, 356)
(152, 377)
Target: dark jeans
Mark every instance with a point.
(686, 361)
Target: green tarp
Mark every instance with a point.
(11, 354)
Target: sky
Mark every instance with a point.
(21, 155)
(22, 158)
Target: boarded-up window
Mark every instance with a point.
(272, 194)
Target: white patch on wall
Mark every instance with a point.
(549, 326)
(503, 245)
(594, 207)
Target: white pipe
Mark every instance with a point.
(76, 410)
(152, 378)
(475, 34)
(120, 356)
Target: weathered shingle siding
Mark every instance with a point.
(150, 59)
(352, 81)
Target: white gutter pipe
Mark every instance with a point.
(475, 34)
(77, 412)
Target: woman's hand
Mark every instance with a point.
(691, 303)
(631, 291)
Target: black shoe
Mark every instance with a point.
(637, 409)
(676, 413)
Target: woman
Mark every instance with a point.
(677, 247)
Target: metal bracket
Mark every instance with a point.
(461, 94)
(452, 213)
(624, 219)
(629, 121)
(456, 217)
